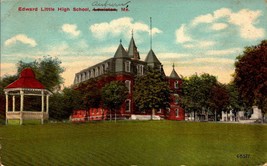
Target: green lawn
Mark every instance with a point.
(133, 143)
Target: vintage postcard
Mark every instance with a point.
(133, 82)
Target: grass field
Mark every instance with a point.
(134, 143)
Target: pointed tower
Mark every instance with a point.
(121, 60)
(132, 50)
(152, 60)
(120, 53)
(174, 74)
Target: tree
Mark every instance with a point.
(63, 103)
(196, 95)
(90, 92)
(113, 96)
(5, 81)
(47, 70)
(236, 103)
(151, 92)
(251, 75)
(219, 99)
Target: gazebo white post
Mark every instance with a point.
(13, 103)
(21, 105)
(42, 106)
(6, 105)
(47, 104)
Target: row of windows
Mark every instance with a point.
(140, 68)
(97, 71)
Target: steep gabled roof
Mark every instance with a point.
(174, 74)
(151, 57)
(26, 80)
(132, 50)
(120, 53)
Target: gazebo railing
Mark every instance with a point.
(27, 115)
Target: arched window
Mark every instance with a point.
(88, 75)
(106, 67)
(80, 78)
(96, 71)
(101, 70)
(92, 73)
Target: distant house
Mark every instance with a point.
(125, 65)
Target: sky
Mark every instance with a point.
(197, 36)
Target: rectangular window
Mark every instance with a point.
(177, 112)
(128, 85)
(176, 98)
(128, 106)
(128, 66)
(176, 85)
(140, 69)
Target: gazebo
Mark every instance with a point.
(27, 85)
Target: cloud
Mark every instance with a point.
(245, 19)
(221, 13)
(215, 61)
(58, 49)
(206, 43)
(181, 36)
(208, 18)
(71, 29)
(21, 38)
(219, 26)
(120, 26)
(230, 51)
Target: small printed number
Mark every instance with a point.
(242, 156)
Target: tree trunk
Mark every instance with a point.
(88, 114)
(194, 115)
(115, 117)
(110, 118)
(215, 119)
(152, 113)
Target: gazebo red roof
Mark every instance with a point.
(26, 80)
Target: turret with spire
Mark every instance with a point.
(120, 53)
(173, 73)
(132, 50)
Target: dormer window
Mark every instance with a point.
(101, 70)
(106, 67)
(96, 71)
